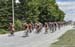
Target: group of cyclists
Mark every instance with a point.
(29, 27)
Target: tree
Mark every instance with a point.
(30, 11)
(5, 11)
(40, 10)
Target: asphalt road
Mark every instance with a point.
(34, 40)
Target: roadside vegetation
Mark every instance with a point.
(67, 40)
(29, 11)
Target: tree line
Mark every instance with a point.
(29, 11)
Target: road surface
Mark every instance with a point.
(34, 40)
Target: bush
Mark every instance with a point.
(2, 31)
(18, 25)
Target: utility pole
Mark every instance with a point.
(13, 11)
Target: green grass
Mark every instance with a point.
(67, 40)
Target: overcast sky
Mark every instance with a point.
(68, 6)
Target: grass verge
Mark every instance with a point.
(67, 40)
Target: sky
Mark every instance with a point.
(68, 6)
(65, 0)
